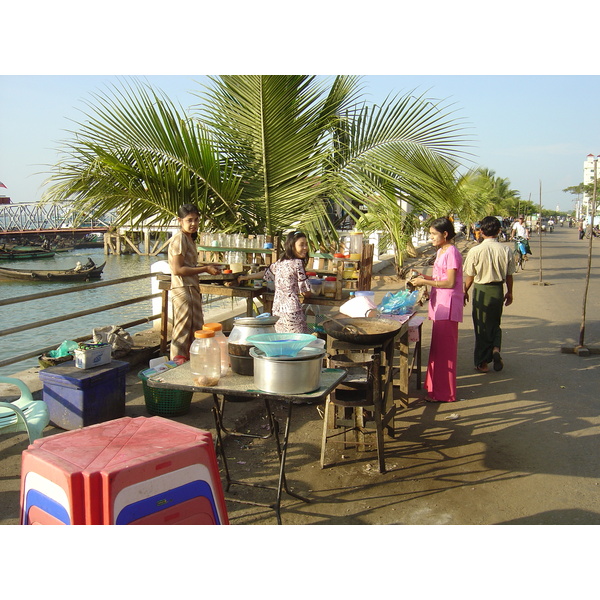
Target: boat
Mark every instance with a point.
(24, 253)
(79, 273)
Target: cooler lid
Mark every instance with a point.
(67, 374)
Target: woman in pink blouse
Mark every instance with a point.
(445, 310)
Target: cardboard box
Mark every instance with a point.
(93, 357)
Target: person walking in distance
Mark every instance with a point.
(488, 267)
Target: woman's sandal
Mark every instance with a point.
(482, 368)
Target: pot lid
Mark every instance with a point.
(255, 321)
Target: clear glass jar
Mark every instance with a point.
(356, 245)
(328, 287)
(205, 358)
(223, 345)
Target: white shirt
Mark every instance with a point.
(520, 229)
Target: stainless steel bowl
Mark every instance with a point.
(298, 374)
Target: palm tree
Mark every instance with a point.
(260, 154)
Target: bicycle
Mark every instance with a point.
(520, 253)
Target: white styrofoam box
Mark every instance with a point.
(94, 357)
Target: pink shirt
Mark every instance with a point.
(447, 304)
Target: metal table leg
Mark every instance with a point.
(282, 451)
(217, 410)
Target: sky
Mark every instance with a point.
(530, 106)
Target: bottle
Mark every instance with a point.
(223, 345)
(205, 358)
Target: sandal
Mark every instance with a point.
(482, 368)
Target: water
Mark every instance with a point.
(37, 310)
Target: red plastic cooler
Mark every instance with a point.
(126, 471)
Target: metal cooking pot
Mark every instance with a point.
(365, 330)
(237, 345)
(298, 374)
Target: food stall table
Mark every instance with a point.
(215, 289)
(180, 378)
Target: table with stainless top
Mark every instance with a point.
(242, 386)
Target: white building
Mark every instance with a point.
(588, 177)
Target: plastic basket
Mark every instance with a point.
(165, 403)
(281, 344)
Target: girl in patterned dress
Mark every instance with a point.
(289, 276)
(185, 289)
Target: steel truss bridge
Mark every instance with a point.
(32, 218)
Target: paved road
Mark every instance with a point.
(522, 449)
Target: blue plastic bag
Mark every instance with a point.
(399, 303)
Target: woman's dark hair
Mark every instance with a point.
(186, 209)
(490, 226)
(288, 246)
(444, 224)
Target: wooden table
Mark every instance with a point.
(180, 378)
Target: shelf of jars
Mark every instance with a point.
(335, 276)
(236, 250)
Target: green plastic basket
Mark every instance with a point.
(165, 403)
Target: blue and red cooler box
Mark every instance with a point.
(145, 471)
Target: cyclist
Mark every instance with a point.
(519, 229)
(520, 234)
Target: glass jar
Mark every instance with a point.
(205, 358)
(328, 287)
(222, 341)
(356, 244)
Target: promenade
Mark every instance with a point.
(520, 447)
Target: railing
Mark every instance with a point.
(58, 319)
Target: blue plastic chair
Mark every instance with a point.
(24, 414)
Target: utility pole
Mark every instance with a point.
(540, 282)
(581, 349)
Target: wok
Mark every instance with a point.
(369, 330)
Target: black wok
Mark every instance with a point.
(363, 330)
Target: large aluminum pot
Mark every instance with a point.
(237, 345)
(298, 374)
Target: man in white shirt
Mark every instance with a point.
(488, 268)
(518, 229)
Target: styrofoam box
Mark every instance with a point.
(86, 359)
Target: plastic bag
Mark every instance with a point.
(399, 303)
(64, 349)
(117, 337)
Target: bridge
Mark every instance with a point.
(31, 223)
(30, 219)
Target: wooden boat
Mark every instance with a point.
(24, 254)
(88, 271)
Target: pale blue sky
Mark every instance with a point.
(506, 72)
(525, 128)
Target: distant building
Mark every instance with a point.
(588, 177)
